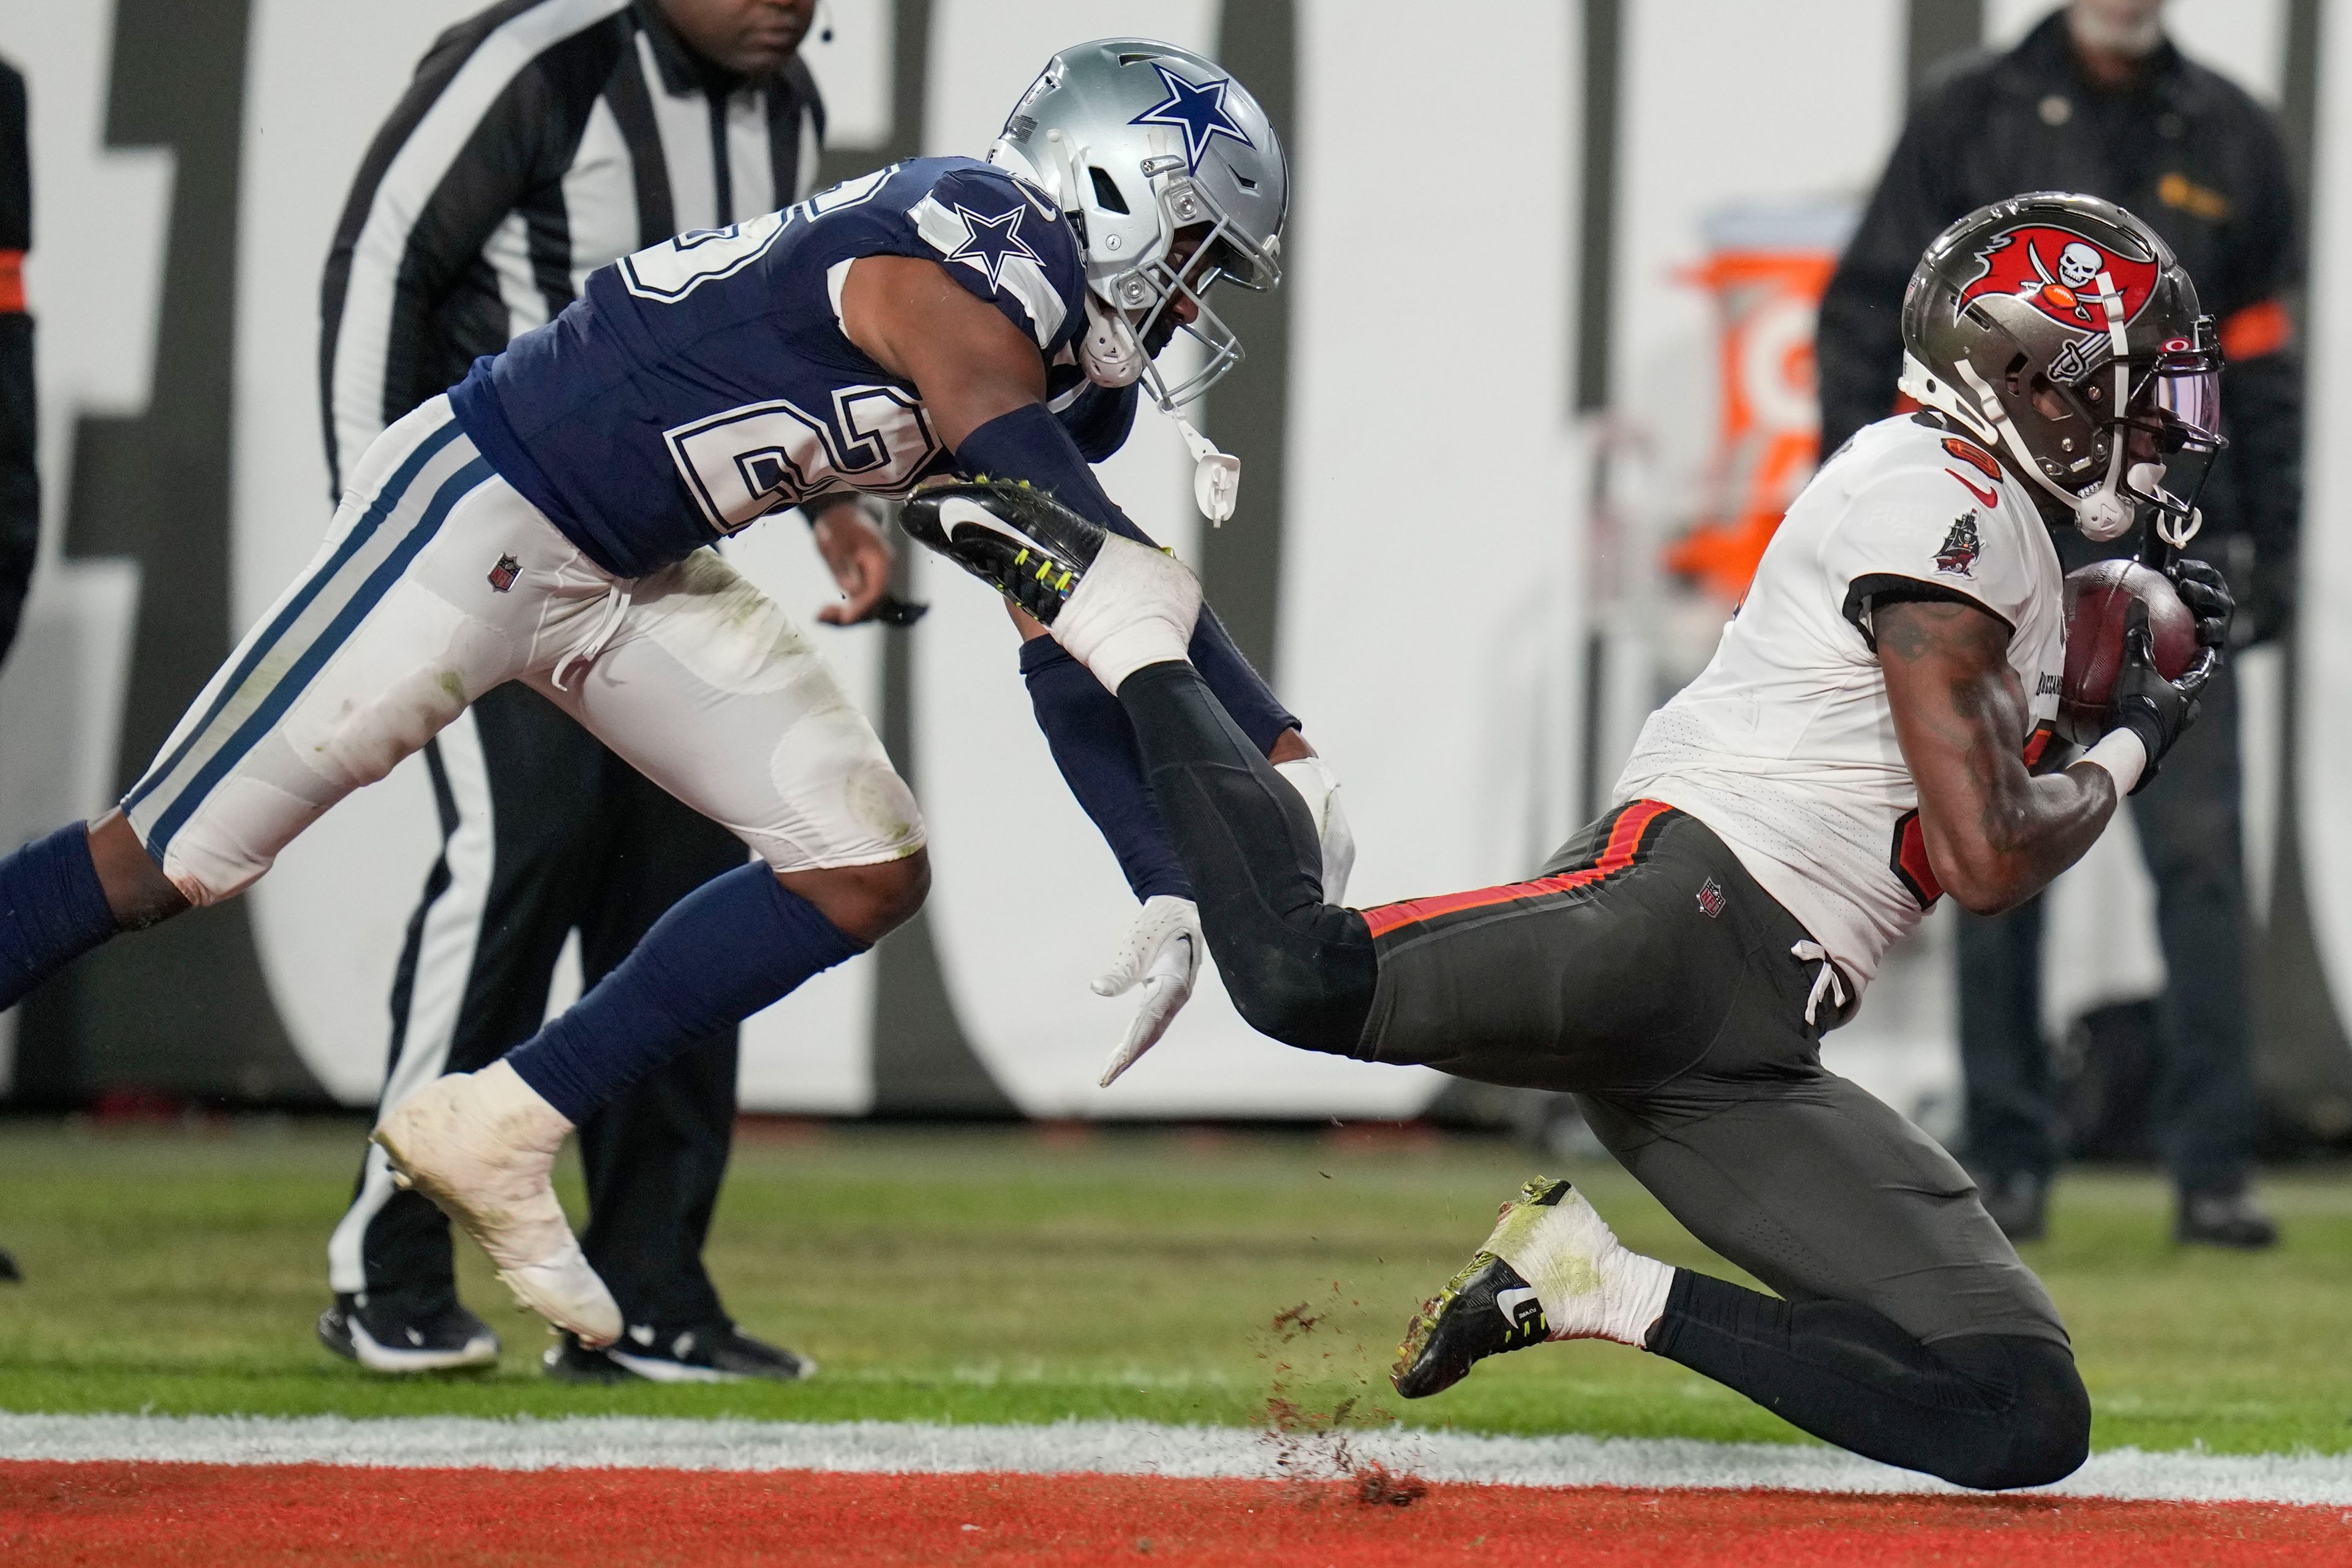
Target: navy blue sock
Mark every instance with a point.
(1093, 745)
(52, 910)
(721, 953)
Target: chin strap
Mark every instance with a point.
(1108, 350)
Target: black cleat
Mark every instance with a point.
(2229, 1219)
(2018, 1204)
(1486, 1309)
(8, 1272)
(1013, 537)
(716, 1352)
(382, 1337)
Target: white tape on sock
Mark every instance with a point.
(1589, 1285)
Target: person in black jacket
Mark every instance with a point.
(2095, 99)
(540, 141)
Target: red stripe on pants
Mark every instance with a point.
(1624, 837)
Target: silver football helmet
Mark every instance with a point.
(1137, 141)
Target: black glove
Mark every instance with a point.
(2206, 592)
(2156, 710)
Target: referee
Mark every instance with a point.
(540, 141)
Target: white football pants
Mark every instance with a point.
(438, 582)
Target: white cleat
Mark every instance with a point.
(1591, 1285)
(1134, 605)
(482, 1146)
(1551, 1270)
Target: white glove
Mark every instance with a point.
(1318, 786)
(1162, 954)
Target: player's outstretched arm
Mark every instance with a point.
(1996, 834)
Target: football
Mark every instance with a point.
(2097, 597)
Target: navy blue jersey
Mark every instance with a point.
(706, 382)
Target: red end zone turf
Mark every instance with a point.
(211, 1515)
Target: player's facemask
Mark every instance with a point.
(2171, 398)
(2178, 403)
(1143, 298)
(2172, 404)
(1126, 336)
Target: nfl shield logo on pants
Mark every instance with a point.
(503, 575)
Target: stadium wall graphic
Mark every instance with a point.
(1470, 327)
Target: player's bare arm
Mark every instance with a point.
(1995, 832)
(968, 361)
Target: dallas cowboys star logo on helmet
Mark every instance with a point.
(992, 242)
(1197, 109)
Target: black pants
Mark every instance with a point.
(2204, 1106)
(545, 831)
(1646, 971)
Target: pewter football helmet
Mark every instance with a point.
(2053, 327)
(1138, 139)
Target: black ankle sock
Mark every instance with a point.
(1983, 1410)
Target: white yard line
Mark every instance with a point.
(1112, 1448)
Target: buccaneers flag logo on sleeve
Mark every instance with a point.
(2056, 271)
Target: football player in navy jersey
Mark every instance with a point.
(546, 520)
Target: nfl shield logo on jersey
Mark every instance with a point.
(503, 575)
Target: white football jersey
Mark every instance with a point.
(1785, 744)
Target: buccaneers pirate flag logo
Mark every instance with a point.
(1962, 545)
(2056, 271)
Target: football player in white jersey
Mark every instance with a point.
(1873, 729)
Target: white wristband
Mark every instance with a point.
(2124, 756)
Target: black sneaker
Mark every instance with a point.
(1486, 1309)
(1013, 537)
(2228, 1218)
(2018, 1204)
(383, 1337)
(716, 1352)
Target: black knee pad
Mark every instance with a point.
(1302, 992)
(2048, 1415)
(2054, 1429)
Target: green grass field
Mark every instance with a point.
(1026, 1275)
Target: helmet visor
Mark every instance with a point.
(2178, 404)
(2177, 409)
(2184, 393)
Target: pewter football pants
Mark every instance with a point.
(1643, 969)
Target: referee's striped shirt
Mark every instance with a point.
(540, 141)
